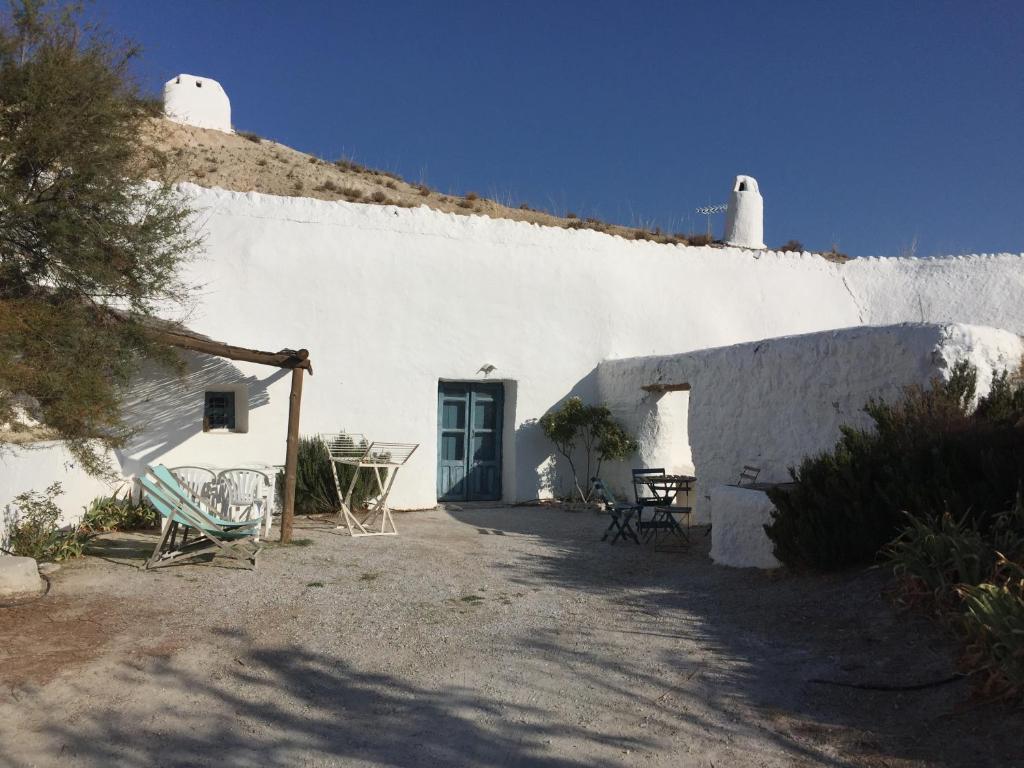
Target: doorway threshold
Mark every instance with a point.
(461, 505)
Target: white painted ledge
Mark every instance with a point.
(738, 517)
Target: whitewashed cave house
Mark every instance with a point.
(458, 332)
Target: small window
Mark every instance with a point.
(219, 411)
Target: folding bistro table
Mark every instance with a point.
(359, 453)
(662, 490)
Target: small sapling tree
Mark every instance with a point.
(588, 429)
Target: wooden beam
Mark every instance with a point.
(286, 358)
(684, 387)
(291, 459)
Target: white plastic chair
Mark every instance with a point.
(247, 491)
(199, 480)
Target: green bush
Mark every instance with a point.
(975, 582)
(315, 492)
(589, 428)
(110, 513)
(993, 623)
(928, 452)
(36, 532)
(932, 558)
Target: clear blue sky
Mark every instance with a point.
(872, 125)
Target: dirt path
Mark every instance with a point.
(499, 637)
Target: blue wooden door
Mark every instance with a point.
(469, 417)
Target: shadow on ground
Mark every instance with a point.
(390, 652)
(785, 648)
(285, 706)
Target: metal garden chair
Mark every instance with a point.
(642, 492)
(621, 513)
(748, 475)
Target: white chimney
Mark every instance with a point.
(197, 101)
(744, 218)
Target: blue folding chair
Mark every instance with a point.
(621, 513)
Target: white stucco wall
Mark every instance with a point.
(25, 469)
(391, 300)
(197, 101)
(984, 289)
(770, 403)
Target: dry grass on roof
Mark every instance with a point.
(245, 162)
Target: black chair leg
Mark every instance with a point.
(633, 534)
(621, 531)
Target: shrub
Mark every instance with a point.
(110, 513)
(925, 453)
(379, 197)
(698, 238)
(591, 428)
(932, 557)
(472, 196)
(348, 165)
(993, 624)
(328, 186)
(1004, 403)
(315, 492)
(352, 193)
(390, 184)
(36, 532)
(975, 582)
(833, 254)
(792, 245)
(249, 136)
(424, 190)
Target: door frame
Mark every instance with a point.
(501, 392)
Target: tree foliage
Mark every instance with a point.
(89, 249)
(591, 428)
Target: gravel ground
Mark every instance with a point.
(478, 637)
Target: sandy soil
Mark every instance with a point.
(478, 637)
(244, 163)
(248, 163)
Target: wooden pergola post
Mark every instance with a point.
(296, 360)
(291, 455)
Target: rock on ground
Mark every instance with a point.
(19, 578)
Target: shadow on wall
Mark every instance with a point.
(167, 407)
(551, 475)
(658, 420)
